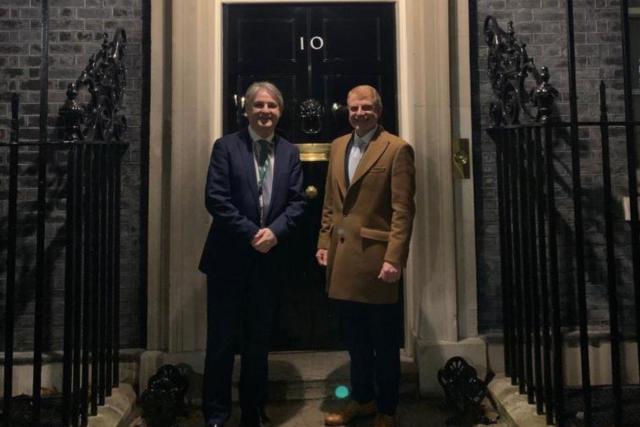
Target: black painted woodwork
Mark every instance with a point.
(274, 42)
(263, 42)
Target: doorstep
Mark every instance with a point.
(116, 408)
(316, 375)
(295, 375)
(514, 408)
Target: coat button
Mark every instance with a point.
(341, 239)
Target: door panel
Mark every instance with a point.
(314, 53)
(260, 43)
(276, 36)
(364, 44)
(305, 318)
(359, 48)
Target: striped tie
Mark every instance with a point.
(263, 150)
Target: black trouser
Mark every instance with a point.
(239, 311)
(372, 334)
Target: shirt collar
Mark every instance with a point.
(364, 139)
(255, 137)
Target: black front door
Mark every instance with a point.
(314, 53)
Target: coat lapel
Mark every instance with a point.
(377, 145)
(338, 166)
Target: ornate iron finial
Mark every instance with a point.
(518, 85)
(164, 399)
(72, 115)
(465, 392)
(104, 79)
(544, 97)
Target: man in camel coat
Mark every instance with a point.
(364, 242)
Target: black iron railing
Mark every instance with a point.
(531, 141)
(91, 175)
(79, 176)
(533, 331)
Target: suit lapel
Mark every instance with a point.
(246, 152)
(377, 145)
(338, 166)
(280, 165)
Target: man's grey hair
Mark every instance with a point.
(373, 92)
(256, 87)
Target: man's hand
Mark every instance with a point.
(264, 240)
(389, 272)
(321, 256)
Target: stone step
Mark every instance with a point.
(316, 375)
(305, 375)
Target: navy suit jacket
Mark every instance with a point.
(231, 197)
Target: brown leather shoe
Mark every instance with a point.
(350, 411)
(384, 420)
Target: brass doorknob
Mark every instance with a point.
(461, 158)
(311, 192)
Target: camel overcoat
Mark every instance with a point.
(370, 221)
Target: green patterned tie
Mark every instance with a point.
(263, 161)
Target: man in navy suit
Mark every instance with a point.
(254, 194)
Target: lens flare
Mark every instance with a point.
(342, 392)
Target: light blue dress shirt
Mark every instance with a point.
(358, 146)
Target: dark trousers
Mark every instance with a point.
(372, 334)
(239, 316)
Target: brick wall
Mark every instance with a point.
(76, 28)
(541, 24)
